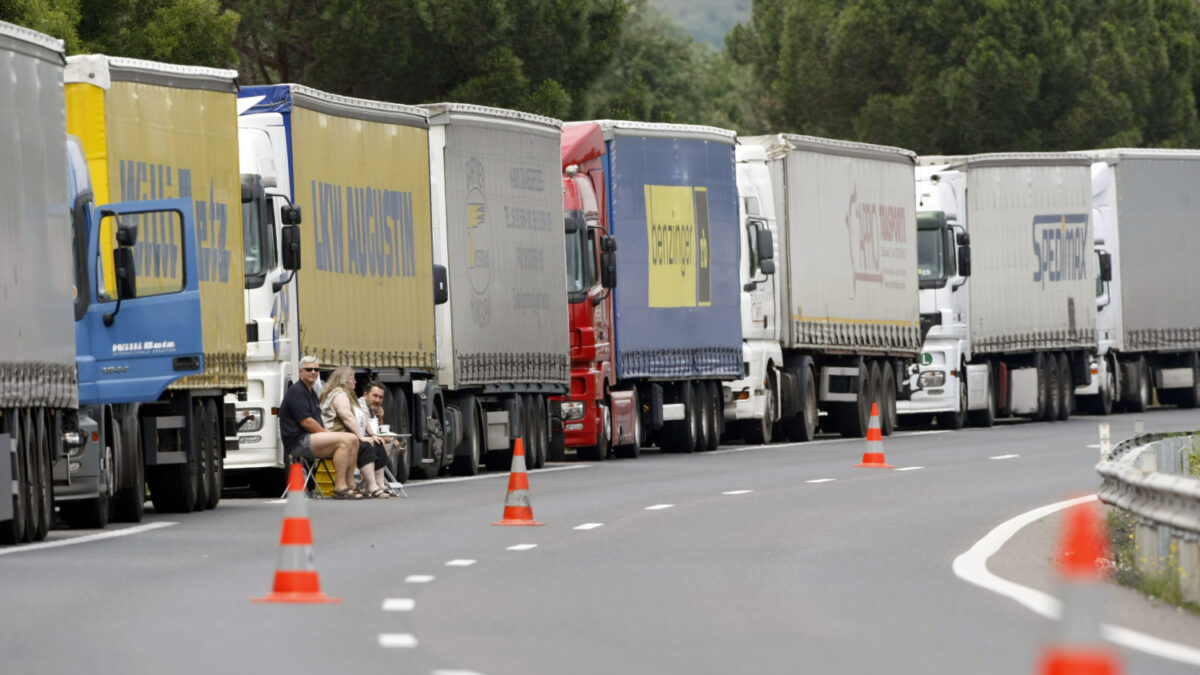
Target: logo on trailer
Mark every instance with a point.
(1062, 247)
(677, 232)
(479, 243)
(877, 234)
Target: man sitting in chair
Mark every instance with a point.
(304, 437)
(370, 413)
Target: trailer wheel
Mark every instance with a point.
(173, 486)
(216, 464)
(1066, 399)
(1053, 387)
(877, 393)
(542, 415)
(703, 414)
(682, 435)
(633, 449)
(853, 418)
(32, 477)
(716, 408)
(13, 531)
(44, 488)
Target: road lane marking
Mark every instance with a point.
(971, 567)
(460, 562)
(397, 640)
(87, 538)
(275, 501)
(1003, 456)
(521, 547)
(659, 507)
(737, 492)
(588, 526)
(455, 672)
(910, 468)
(1094, 446)
(487, 476)
(809, 444)
(418, 578)
(821, 480)
(399, 604)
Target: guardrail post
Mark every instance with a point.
(1105, 441)
(1139, 427)
(1189, 569)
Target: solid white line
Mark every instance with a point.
(929, 432)
(659, 507)
(459, 562)
(399, 604)
(418, 578)
(521, 547)
(737, 492)
(821, 480)
(588, 526)
(275, 501)
(486, 476)
(137, 529)
(455, 672)
(910, 468)
(1003, 456)
(397, 640)
(1094, 446)
(972, 568)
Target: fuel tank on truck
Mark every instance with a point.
(153, 131)
(498, 204)
(848, 243)
(672, 199)
(359, 171)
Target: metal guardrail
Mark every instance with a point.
(1150, 476)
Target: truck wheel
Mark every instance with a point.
(32, 501)
(955, 420)
(203, 451)
(887, 406)
(437, 445)
(537, 431)
(803, 426)
(173, 486)
(986, 417)
(94, 512)
(44, 488)
(542, 415)
(1053, 388)
(396, 415)
(1191, 397)
(13, 531)
(759, 431)
(216, 463)
(1140, 379)
(599, 451)
(130, 504)
(855, 417)
(877, 393)
(468, 464)
(530, 429)
(633, 449)
(681, 435)
(1066, 399)
(1102, 403)
(703, 414)
(717, 409)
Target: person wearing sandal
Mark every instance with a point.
(338, 414)
(305, 437)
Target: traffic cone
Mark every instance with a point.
(1080, 650)
(873, 456)
(295, 576)
(517, 510)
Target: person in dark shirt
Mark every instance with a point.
(305, 437)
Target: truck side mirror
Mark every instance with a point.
(290, 214)
(441, 285)
(767, 266)
(1105, 266)
(290, 243)
(608, 244)
(125, 270)
(608, 267)
(126, 235)
(964, 260)
(962, 238)
(766, 248)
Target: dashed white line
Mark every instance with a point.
(138, 529)
(397, 640)
(821, 480)
(910, 468)
(460, 562)
(455, 672)
(659, 507)
(737, 492)
(1095, 446)
(521, 547)
(418, 578)
(588, 526)
(275, 501)
(1003, 456)
(399, 604)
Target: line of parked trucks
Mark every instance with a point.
(203, 237)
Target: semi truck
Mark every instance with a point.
(1145, 232)
(502, 344)
(153, 131)
(828, 286)
(64, 393)
(1007, 287)
(362, 293)
(655, 207)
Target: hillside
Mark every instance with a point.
(706, 20)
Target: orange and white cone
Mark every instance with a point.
(295, 576)
(873, 456)
(517, 510)
(1080, 649)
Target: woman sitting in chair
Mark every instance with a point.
(338, 404)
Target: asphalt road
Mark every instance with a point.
(779, 559)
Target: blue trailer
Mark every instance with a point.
(671, 195)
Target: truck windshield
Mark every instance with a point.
(1099, 283)
(252, 238)
(931, 258)
(576, 249)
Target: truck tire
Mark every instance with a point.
(202, 446)
(954, 421)
(216, 463)
(1050, 372)
(397, 417)
(93, 513)
(542, 415)
(173, 486)
(854, 418)
(681, 435)
(877, 392)
(1102, 402)
(987, 417)
(1191, 397)
(44, 488)
(717, 408)
(13, 531)
(1139, 379)
(599, 451)
(33, 503)
(887, 408)
(803, 426)
(437, 443)
(633, 449)
(759, 431)
(1066, 399)
(130, 504)
(467, 464)
(703, 414)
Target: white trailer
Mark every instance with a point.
(829, 304)
(1007, 287)
(1147, 232)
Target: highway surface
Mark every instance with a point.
(777, 559)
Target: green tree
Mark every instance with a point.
(58, 18)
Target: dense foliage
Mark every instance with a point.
(936, 76)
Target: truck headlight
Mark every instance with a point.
(573, 410)
(249, 419)
(934, 378)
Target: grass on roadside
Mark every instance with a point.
(1164, 585)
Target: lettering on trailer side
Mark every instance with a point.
(1062, 247)
(877, 235)
(678, 243)
(363, 231)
